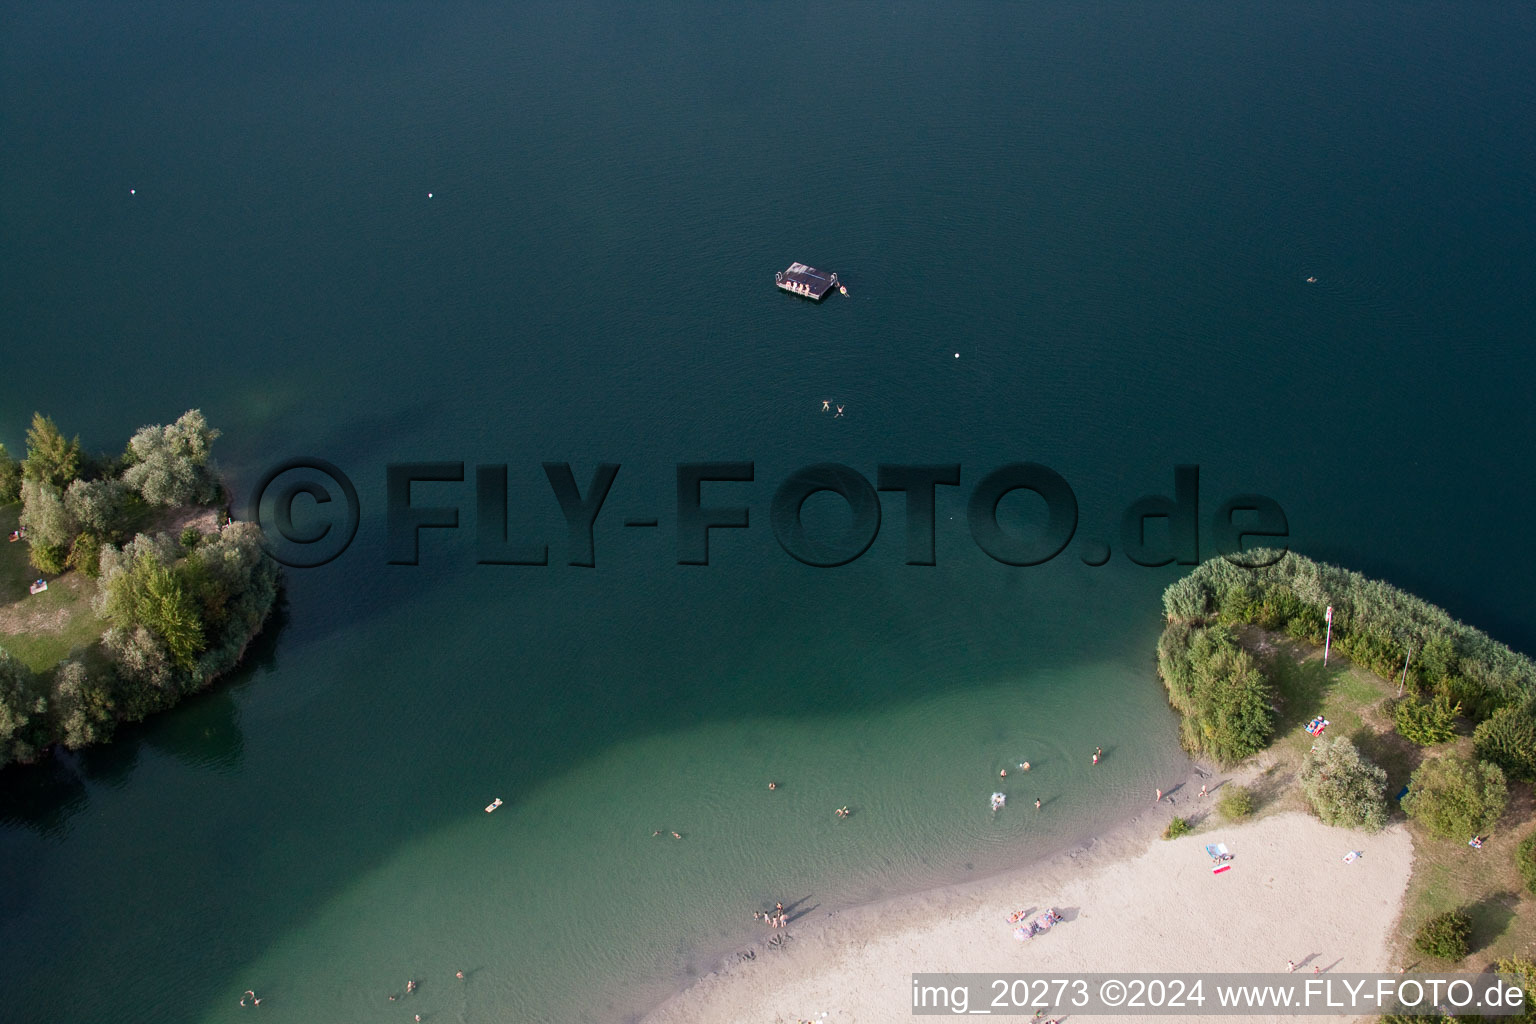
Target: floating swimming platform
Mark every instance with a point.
(807, 282)
(492, 805)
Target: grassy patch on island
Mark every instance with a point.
(41, 630)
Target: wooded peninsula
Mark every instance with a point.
(124, 583)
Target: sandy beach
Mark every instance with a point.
(1133, 902)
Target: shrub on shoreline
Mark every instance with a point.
(1176, 827)
(1217, 687)
(1236, 802)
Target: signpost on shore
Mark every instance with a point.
(1328, 640)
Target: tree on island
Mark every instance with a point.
(169, 465)
(1456, 798)
(10, 478)
(181, 615)
(1343, 787)
(82, 705)
(51, 530)
(50, 458)
(20, 704)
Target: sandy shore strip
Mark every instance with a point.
(1133, 903)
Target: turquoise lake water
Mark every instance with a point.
(1110, 215)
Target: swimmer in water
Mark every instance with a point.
(1003, 774)
(1037, 803)
(676, 836)
(826, 405)
(773, 785)
(839, 412)
(1024, 766)
(459, 975)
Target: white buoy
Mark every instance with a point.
(133, 191)
(957, 355)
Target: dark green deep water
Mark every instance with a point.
(1109, 213)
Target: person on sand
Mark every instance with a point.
(1159, 797)
(1202, 792)
(1095, 757)
(1290, 965)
